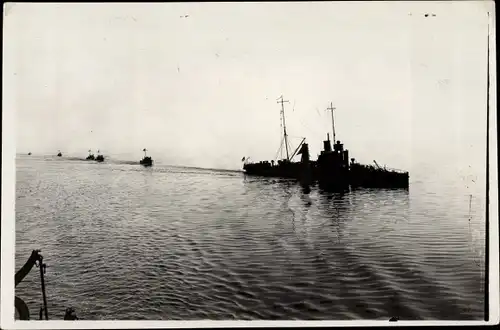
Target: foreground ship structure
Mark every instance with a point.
(333, 170)
(21, 308)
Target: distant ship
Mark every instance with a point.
(90, 156)
(332, 170)
(29, 153)
(59, 154)
(146, 161)
(99, 158)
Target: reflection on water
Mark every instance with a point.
(126, 242)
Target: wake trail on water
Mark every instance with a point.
(158, 167)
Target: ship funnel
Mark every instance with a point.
(327, 147)
(305, 153)
(338, 146)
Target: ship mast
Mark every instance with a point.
(282, 101)
(331, 108)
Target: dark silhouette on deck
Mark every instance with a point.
(70, 314)
(332, 170)
(59, 154)
(146, 161)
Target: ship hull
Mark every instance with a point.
(146, 162)
(332, 178)
(285, 171)
(366, 177)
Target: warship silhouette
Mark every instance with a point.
(332, 169)
(90, 156)
(99, 158)
(146, 161)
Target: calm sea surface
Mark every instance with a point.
(166, 243)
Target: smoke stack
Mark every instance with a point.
(326, 144)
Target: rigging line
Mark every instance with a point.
(317, 111)
(281, 123)
(302, 120)
(311, 130)
(282, 101)
(279, 150)
(324, 124)
(282, 145)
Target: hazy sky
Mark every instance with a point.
(201, 90)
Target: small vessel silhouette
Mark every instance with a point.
(146, 161)
(29, 153)
(90, 156)
(59, 154)
(99, 158)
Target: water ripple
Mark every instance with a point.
(124, 242)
